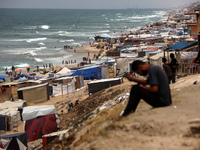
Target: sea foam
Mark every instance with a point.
(21, 65)
(38, 59)
(36, 39)
(45, 27)
(41, 43)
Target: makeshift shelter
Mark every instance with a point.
(14, 141)
(98, 85)
(178, 46)
(24, 76)
(64, 86)
(89, 73)
(10, 114)
(191, 46)
(34, 94)
(124, 64)
(2, 77)
(8, 88)
(40, 120)
(64, 72)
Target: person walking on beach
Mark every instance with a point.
(174, 67)
(167, 69)
(13, 68)
(157, 94)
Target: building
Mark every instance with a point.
(192, 29)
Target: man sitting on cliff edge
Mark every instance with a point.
(157, 94)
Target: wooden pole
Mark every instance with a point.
(198, 30)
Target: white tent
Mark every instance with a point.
(32, 112)
(64, 72)
(10, 109)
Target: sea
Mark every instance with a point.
(38, 36)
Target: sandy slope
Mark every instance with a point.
(165, 128)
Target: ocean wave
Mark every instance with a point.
(105, 31)
(135, 20)
(41, 43)
(67, 56)
(142, 17)
(63, 41)
(32, 53)
(38, 59)
(30, 27)
(22, 65)
(8, 67)
(58, 49)
(36, 39)
(44, 27)
(40, 48)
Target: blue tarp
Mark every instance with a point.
(2, 77)
(193, 44)
(89, 73)
(24, 76)
(179, 45)
(38, 77)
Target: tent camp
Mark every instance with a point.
(10, 116)
(14, 141)
(34, 94)
(39, 120)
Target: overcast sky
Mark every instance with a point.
(93, 4)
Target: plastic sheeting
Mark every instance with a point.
(61, 89)
(42, 125)
(32, 112)
(64, 72)
(123, 64)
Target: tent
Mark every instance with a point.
(34, 94)
(39, 120)
(14, 141)
(193, 45)
(10, 116)
(179, 45)
(64, 72)
(24, 76)
(2, 77)
(93, 72)
(98, 85)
